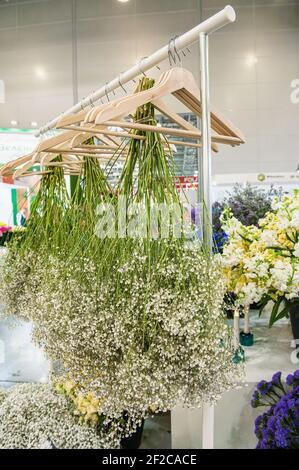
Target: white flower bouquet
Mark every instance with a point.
(261, 264)
(34, 416)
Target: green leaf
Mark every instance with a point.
(261, 305)
(274, 312)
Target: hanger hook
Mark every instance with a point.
(120, 83)
(171, 56)
(140, 63)
(184, 53)
(91, 101)
(107, 96)
(175, 49)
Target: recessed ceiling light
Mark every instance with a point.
(251, 60)
(33, 124)
(13, 122)
(40, 72)
(123, 1)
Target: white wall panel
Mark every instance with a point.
(252, 63)
(252, 66)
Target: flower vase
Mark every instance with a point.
(246, 337)
(133, 441)
(294, 317)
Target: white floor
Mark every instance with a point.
(20, 361)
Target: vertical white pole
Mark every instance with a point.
(204, 184)
(205, 164)
(208, 426)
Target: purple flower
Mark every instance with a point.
(282, 436)
(296, 374)
(290, 379)
(278, 426)
(272, 424)
(255, 399)
(263, 387)
(276, 379)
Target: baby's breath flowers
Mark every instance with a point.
(138, 339)
(32, 415)
(2, 394)
(137, 323)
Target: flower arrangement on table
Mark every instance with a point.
(261, 264)
(278, 427)
(247, 204)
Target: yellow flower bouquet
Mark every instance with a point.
(261, 264)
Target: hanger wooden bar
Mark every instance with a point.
(94, 130)
(218, 122)
(176, 81)
(139, 137)
(98, 147)
(78, 151)
(163, 130)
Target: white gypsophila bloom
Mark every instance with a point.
(134, 340)
(3, 254)
(3, 394)
(33, 414)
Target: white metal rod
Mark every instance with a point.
(205, 164)
(205, 184)
(217, 21)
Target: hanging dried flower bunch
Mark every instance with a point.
(136, 321)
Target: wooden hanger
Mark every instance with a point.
(85, 117)
(88, 116)
(8, 167)
(178, 82)
(19, 171)
(99, 120)
(66, 141)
